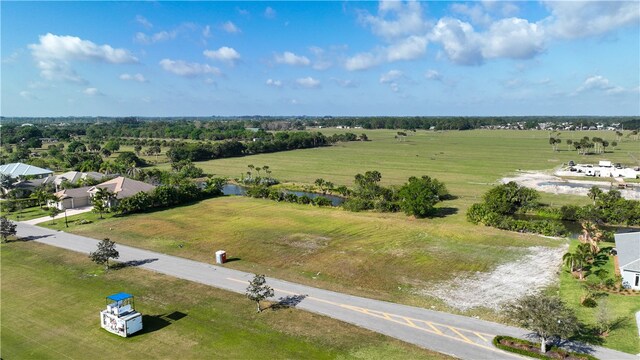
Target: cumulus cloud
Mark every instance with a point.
(206, 31)
(135, 77)
(395, 19)
(362, 61)
(274, 83)
(143, 38)
(308, 82)
(224, 54)
(66, 48)
(391, 76)
(269, 12)
(143, 21)
(575, 19)
(54, 54)
(186, 69)
(91, 91)
(600, 83)
(433, 75)
(231, 28)
(290, 58)
(476, 13)
(512, 38)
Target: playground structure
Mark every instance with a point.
(120, 316)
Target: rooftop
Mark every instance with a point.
(628, 246)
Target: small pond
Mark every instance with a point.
(233, 189)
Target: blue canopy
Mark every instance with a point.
(119, 296)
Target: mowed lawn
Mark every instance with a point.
(51, 300)
(378, 255)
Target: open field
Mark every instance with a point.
(51, 299)
(468, 162)
(388, 256)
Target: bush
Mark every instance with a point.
(559, 353)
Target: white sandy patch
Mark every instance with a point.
(508, 282)
(556, 185)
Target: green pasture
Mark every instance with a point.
(51, 300)
(468, 162)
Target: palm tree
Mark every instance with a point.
(591, 236)
(579, 260)
(594, 193)
(101, 200)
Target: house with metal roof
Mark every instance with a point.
(628, 248)
(20, 170)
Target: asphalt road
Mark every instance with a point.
(458, 336)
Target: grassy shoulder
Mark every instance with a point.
(27, 214)
(618, 307)
(51, 299)
(380, 255)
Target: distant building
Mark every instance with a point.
(628, 247)
(20, 170)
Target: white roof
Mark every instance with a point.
(19, 169)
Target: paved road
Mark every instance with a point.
(458, 336)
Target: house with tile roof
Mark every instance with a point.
(628, 253)
(121, 187)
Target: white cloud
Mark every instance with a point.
(206, 31)
(274, 83)
(433, 75)
(143, 21)
(231, 28)
(391, 76)
(186, 69)
(135, 77)
(269, 12)
(459, 41)
(28, 95)
(362, 61)
(513, 38)
(91, 91)
(12, 58)
(224, 54)
(290, 58)
(66, 48)
(157, 37)
(308, 82)
(575, 19)
(475, 13)
(410, 48)
(600, 83)
(395, 19)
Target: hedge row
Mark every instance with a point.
(563, 353)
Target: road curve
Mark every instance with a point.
(455, 335)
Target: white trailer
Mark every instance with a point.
(120, 317)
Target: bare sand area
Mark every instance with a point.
(557, 185)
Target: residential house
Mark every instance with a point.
(72, 198)
(20, 171)
(628, 248)
(121, 187)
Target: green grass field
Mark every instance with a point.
(378, 255)
(51, 300)
(468, 162)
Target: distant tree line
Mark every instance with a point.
(281, 141)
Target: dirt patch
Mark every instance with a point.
(308, 242)
(556, 185)
(506, 283)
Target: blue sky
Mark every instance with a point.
(320, 58)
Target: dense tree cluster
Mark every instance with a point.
(608, 208)
(282, 141)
